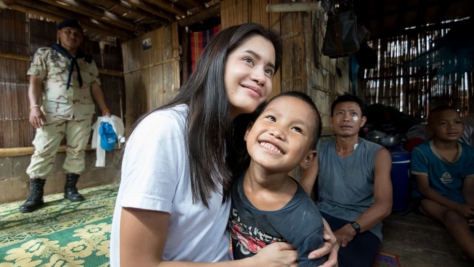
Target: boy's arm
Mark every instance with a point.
(425, 189)
(468, 190)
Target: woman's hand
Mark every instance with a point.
(276, 255)
(330, 247)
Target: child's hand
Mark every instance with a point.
(465, 210)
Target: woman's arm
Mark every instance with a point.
(143, 235)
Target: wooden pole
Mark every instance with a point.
(15, 56)
(294, 7)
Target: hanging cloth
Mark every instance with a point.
(74, 63)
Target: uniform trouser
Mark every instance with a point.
(47, 141)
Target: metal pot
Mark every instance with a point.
(388, 141)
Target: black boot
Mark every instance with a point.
(70, 190)
(35, 198)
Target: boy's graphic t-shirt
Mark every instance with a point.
(299, 223)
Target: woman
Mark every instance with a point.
(173, 204)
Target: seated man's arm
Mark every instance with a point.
(310, 174)
(382, 206)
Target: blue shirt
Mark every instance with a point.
(445, 177)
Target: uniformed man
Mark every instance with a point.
(63, 85)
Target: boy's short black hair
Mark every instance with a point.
(437, 110)
(348, 98)
(305, 98)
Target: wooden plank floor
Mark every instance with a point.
(421, 242)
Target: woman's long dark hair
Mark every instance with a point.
(209, 121)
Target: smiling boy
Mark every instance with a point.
(268, 205)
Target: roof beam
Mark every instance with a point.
(92, 11)
(198, 4)
(131, 9)
(198, 17)
(441, 11)
(416, 30)
(429, 4)
(149, 8)
(168, 7)
(401, 13)
(49, 12)
(421, 12)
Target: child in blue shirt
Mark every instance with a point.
(444, 173)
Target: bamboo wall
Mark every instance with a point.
(235, 12)
(413, 90)
(304, 68)
(20, 37)
(152, 75)
(15, 129)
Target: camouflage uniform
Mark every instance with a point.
(68, 112)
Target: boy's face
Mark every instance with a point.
(347, 119)
(281, 137)
(446, 125)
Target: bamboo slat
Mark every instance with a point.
(24, 151)
(151, 74)
(414, 90)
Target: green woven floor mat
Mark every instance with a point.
(61, 233)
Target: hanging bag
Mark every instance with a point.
(341, 38)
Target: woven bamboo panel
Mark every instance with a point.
(151, 71)
(413, 90)
(42, 33)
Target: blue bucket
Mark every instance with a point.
(400, 175)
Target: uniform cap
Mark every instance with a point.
(73, 23)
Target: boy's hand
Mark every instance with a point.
(465, 210)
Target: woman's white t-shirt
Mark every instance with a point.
(155, 176)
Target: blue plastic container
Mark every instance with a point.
(400, 175)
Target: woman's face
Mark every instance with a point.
(249, 70)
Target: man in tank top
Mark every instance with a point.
(354, 185)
